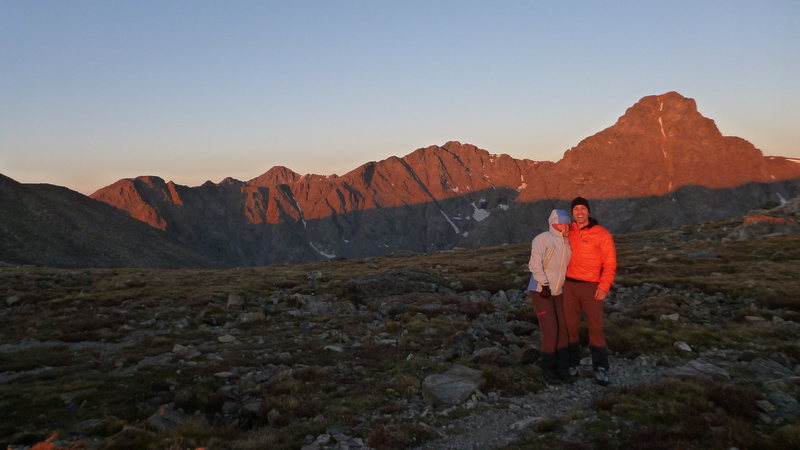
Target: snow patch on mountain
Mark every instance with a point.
(479, 214)
(455, 228)
(327, 255)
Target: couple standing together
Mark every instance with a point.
(572, 266)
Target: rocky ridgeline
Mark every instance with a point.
(662, 164)
(247, 343)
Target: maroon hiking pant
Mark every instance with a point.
(553, 330)
(579, 296)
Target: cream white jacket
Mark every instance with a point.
(550, 253)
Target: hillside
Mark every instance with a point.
(702, 324)
(54, 226)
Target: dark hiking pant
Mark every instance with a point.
(579, 296)
(553, 331)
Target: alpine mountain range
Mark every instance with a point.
(661, 165)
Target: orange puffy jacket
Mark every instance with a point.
(594, 257)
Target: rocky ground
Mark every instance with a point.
(432, 352)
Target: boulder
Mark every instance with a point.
(165, 418)
(452, 387)
(701, 369)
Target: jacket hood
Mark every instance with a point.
(558, 216)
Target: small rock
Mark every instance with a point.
(487, 355)
(644, 360)
(754, 319)
(226, 338)
(165, 418)
(98, 427)
(185, 352)
(340, 437)
(13, 299)
(500, 300)
(334, 348)
(253, 407)
(322, 439)
(652, 260)
(768, 369)
(235, 301)
(274, 416)
(316, 275)
(230, 407)
(256, 316)
(670, 317)
(680, 345)
(525, 423)
(719, 430)
(765, 406)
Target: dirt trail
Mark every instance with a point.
(501, 425)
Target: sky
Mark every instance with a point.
(194, 90)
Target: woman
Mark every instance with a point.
(550, 253)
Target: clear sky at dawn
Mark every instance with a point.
(193, 90)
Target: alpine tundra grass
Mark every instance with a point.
(272, 357)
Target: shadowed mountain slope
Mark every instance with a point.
(54, 226)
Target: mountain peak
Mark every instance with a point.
(275, 176)
(673, 97)
(666, 115)
(151, 181)
(659, 104)
(229, 181)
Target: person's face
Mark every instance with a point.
(581, 215)
(562, 227)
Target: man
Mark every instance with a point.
(590, 273)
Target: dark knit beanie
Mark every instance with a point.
(579, 201)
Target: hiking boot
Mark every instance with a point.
(601, 376)
(566, 377)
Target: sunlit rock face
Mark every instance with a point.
(661, 164)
